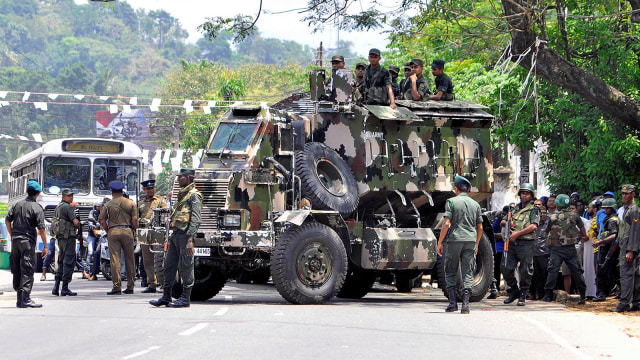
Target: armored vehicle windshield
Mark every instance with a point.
(232, 136)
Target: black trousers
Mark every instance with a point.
(539, 278)
(22, 262)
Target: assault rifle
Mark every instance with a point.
(612, 250)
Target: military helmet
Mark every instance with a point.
(610, 203)
(563, 200)
(527, 187)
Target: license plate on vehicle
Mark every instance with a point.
(199, 251)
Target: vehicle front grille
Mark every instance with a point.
(214, 196)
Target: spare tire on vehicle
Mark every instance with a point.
(327, 180)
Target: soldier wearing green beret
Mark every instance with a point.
(629, 258)
(462, 229)
(185, 221)
(518, 248)
(564, 230)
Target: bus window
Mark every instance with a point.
(107, 170)
(66, 172)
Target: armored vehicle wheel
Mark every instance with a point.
(309, 264)
(482, 275)
(406, 280)
(357, 284)
(207, 284)
(326, 179)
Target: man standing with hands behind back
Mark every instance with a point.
(463, 230)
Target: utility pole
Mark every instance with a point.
(318, 59)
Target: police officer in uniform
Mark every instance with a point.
(518, 248)
(145, 214)
(122, 217)
(564, 231)
(22, 221)
(462, 229)
(68, 223)
(185, 221)
(629, 258)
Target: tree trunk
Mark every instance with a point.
(556, 69)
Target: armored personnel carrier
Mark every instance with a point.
(328, 195)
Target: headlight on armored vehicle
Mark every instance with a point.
(229, 220)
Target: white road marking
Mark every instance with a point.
(139, 353)
(193, 329)
(221, 312)
(558, 339)
(228, 298)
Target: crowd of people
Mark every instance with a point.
(375, 85)
(593, 251)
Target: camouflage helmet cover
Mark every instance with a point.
(610, 203)
(563, 200)
(527, 187)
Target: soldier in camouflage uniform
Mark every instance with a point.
(464, 218)
(444, 85)
(377, 82)
(145, 214)
(564, 231)
(394, 71)
(518, 248)
(629, 259)
(66, 238)
(185, 221)
(608, 251)
(404, 83)
(417, 87)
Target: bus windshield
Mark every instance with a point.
(66, 172)
(107, 170)
(233, 136)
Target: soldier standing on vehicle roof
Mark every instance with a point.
(394, 71)
(185, 221)
(123, 221)
(68, 222)
(444, 85)
(405, 82)
(629, 258)
(564, 231)
(418, 89)
(358, 91)
(145, 215)
(462, 229)
(22, 221)
(378, 89)
(518, 248)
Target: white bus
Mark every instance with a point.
(85, 165)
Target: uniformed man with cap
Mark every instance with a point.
(405, 82)
(629, 258)
(185, 221)
(564, 230)
(444, 85)
(22, 221)
(359, 87)
(68, 223)
(418, 89)
(145, 215)
(378, 89)
(462, 230)
(394, 71)
(119, 217)
(337, 62)
(518, 248)
(607, 252)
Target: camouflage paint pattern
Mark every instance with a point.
(563, 228)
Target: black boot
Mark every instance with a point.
(149, 290)
(165, 299)
(493, 292)
(453, 303)
(465, 302)
(522, 297)
(582, 297)
(548, 296)
(56, 287)
(184, 301)
(65, 290)
(19, 299)
(515, 293)
(27, 302)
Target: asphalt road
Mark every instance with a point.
(254, 322)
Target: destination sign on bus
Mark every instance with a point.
(93, 146)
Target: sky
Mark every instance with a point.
(285, 26)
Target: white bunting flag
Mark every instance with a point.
(187, 103)
(188, 109)
(156, 162)
(1, 171)
(196, 158)
(263, 104)
(133, 101)
(40, 105)
(155, 105)
(206, 109)
(37, 137)
(113, 109)
(26, 96)
(126, 108)
(78, 97)
(4, 103)
(236, 103)
(166, 156)
(53, 96)
(104, 98)
(3, 94)
(145, 156)
(176, 161)
(23, 138)
(211, 103)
